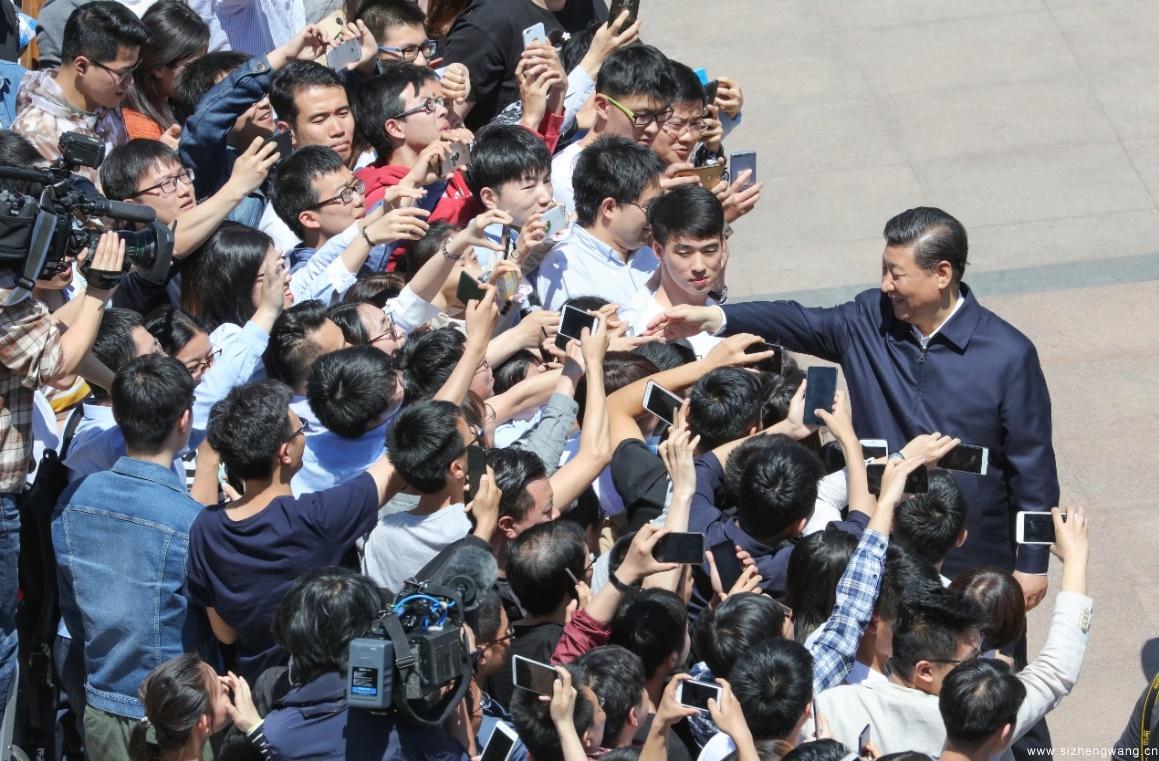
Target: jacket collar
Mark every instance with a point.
(148, 471)
(327, 688)
(957, 331)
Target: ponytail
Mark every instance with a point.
(140, 749)
(175, 696)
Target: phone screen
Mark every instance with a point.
(917, 482)
(619, 6)
(774, 363)
(819, 393)
(533, 675)
(680, 547)
(661, 402)
(739, 162)
(469, 289)
(1037, 528)
(697, 694)
(476, 467)
(966, 459)
(498, 746)
(728, 566)
(573, 321)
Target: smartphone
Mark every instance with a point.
(500, 744)
(917, 482)
(556, 220)
(739, 162)
(572, 322)
(774, 363)
(819, 393)
(469, 289)
(863, 739)
(619, 6)
(534, 33)
(533, 675)
(284, 142)
(340, 56)
(966, 458)
(680, 547)
(875, 448)
(661, 402)
(728, 565)
(1034, 528)
(459, 155)
(710, 92)
(697, 694)
(710, 175)
(476, 467)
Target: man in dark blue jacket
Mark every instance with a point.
(922, 355)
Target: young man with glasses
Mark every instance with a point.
(634, 92)
(102, 41)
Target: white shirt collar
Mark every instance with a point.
(925, 340)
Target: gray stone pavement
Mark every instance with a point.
(1035, 122)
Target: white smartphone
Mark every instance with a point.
(460, 154)
(661, 402)
(556, 220)
(966, 458)
(697, 694)
(741, 161)
(500, 744)
(534, 33)
(1034, 528)
(572, 321)
(343, 55)
(875, 448)
(533, 675)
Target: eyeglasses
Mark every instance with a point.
(346, 196)
(119, 77)
(388, 332)
(977, 651)
(677, 128)
(168, 186)
(303, 427)
(643, 119)
(639, 206)
(507, 636)
(203, 364)
(430, 105)
(409, 53)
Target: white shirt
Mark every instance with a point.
(862, 674)
(272, 225)
(581, 265)
(402, 543)
(646, 307)
(925, 340)
(562, 169)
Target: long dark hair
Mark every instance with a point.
(176, 33)
(441, 15)
(175, 696)
(219, 285)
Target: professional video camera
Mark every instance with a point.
(416, 657)
(37, 236)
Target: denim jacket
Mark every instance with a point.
(122, 542)
(205, 139)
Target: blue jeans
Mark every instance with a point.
(9, 585)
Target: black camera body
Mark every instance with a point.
(38, 235)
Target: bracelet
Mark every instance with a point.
(366, 237)
(446, 252)
(619, 585)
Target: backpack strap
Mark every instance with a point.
(70, 427)
(1146, 715)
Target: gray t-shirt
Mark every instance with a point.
(402, 543)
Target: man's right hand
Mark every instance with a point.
(252, 167)
(481, 316)
(109, 257)
(731, 352)
(686, 321)
(409, 223)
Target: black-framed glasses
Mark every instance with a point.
(507, 637)
(204, 364)
(345, 196)
(388, 331)
(642, 207)
(120, 77)
(168, 186)
(409, 53)
(429, 106)
(976, 652)
(642, 119)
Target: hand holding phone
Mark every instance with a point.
(696, 695)
(820, 390)
(534, 33)
(619, 6)
(917, 482)
(773, 364)
(661, 402)
(966, 458)
(740, 162)
(469, 289)
(533, 675)
(476, 468)
(500, 744)
(341, 56)
(680, 547)
(728, 565)
(284, 142)
(1034, 528)
(572, 321)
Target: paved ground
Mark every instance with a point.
(1035, 122)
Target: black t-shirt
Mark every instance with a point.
(488, 38)
(641, 480)
(535, 642)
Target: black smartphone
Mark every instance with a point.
(728, 565)
(469, 289)
(917, 482)
(533, 675)
(619, 6)
(966, 458)
(661, 402)
(476, 467)
(774, 363)
(572, 322)
(284, 142)
(680, 547)
(819, 393)
(710, 92)
(863, 739)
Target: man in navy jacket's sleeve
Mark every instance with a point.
(922, 355)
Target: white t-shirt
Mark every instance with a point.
(402, 543)
(562, 169)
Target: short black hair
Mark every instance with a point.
(428, 360)
(930, 627)
(346, 317)
(113, 344)
(320, 614)
(126, 164)
(621, 368)
(978, 698)
(218, 282)
(291, 350)
(15, 150)
(688, 86)
(637, 70)
(815, 566)
(725, 634)
(930, 522)
(294, 190)
(817, 750)
(774, 685)
(779, 391)
(934, 235)
(423, 442)
(667, 355)
(505, 153)
(201, 75)
(724, 405)
(381, 97)
(173, 328)
(514, 369)
(98, 29)
(249, 425)
(296, 76)
(532, 718)
(350, 388)
(652, 624)
(612, 167)
(375, 288)
(538, 562)
(514, 470)
(383, 15)
(776, 484)
(421, 251)
(906, 573)
(616, 676)
(999, 597)
(149, 395)
(688, 211)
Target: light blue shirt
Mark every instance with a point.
(240, 361)
(98, 443)
(581, 265)
(330, 459)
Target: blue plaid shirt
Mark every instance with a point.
(834, 645)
